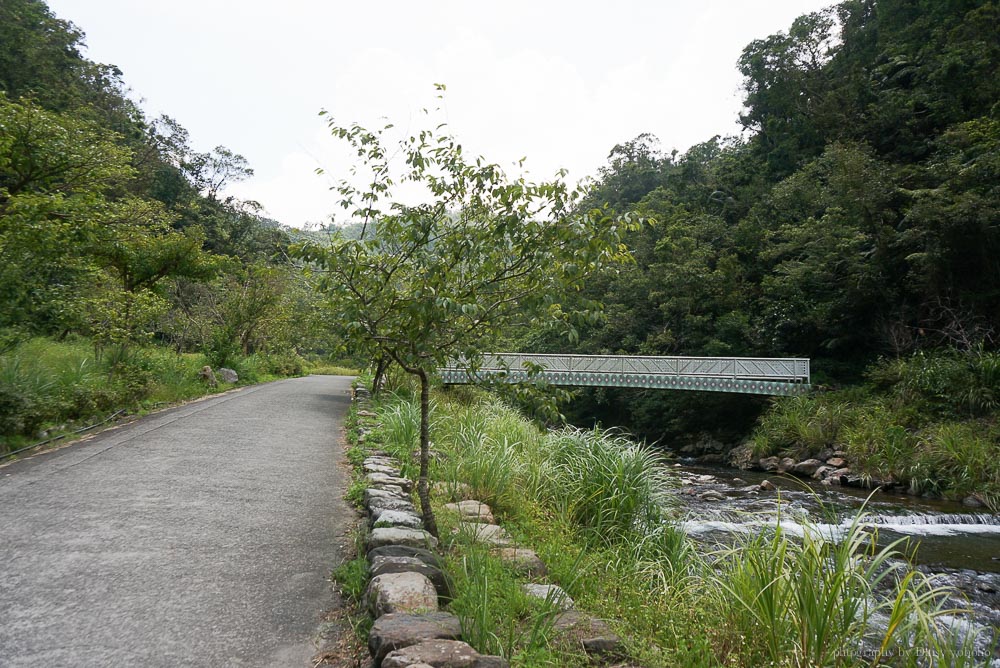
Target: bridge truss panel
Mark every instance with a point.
(745, 375)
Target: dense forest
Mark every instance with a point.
(856, 222)
(118, 243)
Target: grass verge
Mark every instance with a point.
(51, 388)
(595, 508)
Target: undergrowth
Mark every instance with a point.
(595, 508)
(50, 387)
(929, 422)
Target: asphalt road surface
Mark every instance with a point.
(199, 536)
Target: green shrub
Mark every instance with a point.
(943, 383)
(19, 411)
(285, 363)
(804, 425)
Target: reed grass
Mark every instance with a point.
(594, 506)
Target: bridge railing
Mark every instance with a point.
(779, 369)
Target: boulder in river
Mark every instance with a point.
(769, 463)
(807, 467)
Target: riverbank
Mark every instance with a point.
(927, 425)
(597, 510)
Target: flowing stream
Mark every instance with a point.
(958, 545)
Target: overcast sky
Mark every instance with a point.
(558, 82)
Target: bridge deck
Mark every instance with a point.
(744, 375)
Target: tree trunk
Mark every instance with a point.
(423, 486)
(380, 368)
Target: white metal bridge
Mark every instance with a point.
(743, 375)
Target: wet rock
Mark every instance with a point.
(422, 554)
(836, 462)
(398, 630)
(399, 518)
(441, 654)
(974, 501)
(711, 495)
(594, 635)
(400, 592)
(851, 480)
(767, 486)
(410, 537)
(523, 560)
(549, 592)
(742, 457)
(823, 472)
(785, 464)
(807, 467)
(769, 463)
(739, 481)
(472, 511)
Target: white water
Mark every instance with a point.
(950, 524)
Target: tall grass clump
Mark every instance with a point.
(821, 600)
(491, 447)
(496, 614)
(805, 424)
(612, 488)
(400, 430)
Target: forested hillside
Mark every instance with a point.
(856, 222)
(115, 235)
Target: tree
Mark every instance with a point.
(443, 279)
(137, 246)
(55, 172)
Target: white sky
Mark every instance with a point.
(558, 82)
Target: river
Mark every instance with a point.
(959, 546)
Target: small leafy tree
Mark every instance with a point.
(444, 278)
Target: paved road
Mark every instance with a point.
(199, 536)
